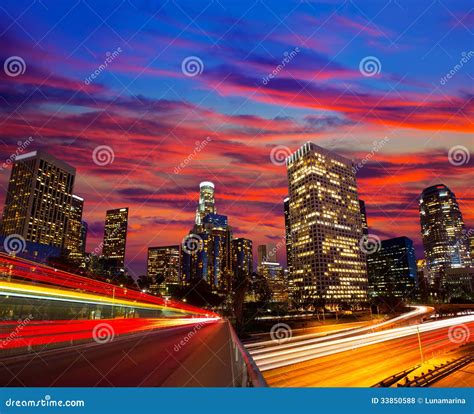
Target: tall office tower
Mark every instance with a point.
(365, 226)
(261, 253)
(74, 244)
(84, 229)
(326, 227)
(38, 200)
(443, 233)
(471, 244)
(206, 201)
(115, 235)
(286, 204)
(206, 253)
(164, 268)
(218, 247)
(392, 269)
(242, 258)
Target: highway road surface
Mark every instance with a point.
(360, 360)
(187, 356)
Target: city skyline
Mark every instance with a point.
(169, 128)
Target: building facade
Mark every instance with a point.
(206, 201)
(115, 236)
(74, 240)
(164, 268)
(443, 233)
(363, 214)
(286, 208)
(242, 259)
(38, 202)
(392, 270)
(326, 228)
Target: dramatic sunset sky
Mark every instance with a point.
(152, 113)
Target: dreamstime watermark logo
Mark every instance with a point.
(458, 334)
(458, 155)
(200, 145)
(109, 58)
(370, 244)
(103, 155)
(14, 334)
(279, 154)
(14, 66)
(192, 66)
(192, 243)
(14, 244)
(376, 147)
(46, 401)
(370, 66)
(103, 333)
(177, 347)
(281, 333)
(466, 57)
(287, 58)
(22, 146)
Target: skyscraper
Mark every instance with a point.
(115, 235)
(261, 253)
(365, 226)
(74, 242)
(443, 233)
(326, 228)
(289, 261)
(206, 201)
(164, 267)
(392, 269)
(242, 258)
(38, 200)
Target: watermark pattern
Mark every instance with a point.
(103, 155)
(14, 66)
(103, 333)
(465, 57)
(370, 244)
(109, 58)
(200, 145)
(14, 334)
(279, 154)
(376, 147)
(458, 334)
(178, 346)
(458, 155)
(192, 243)
(192, 66)
(287, 58)
(281, 333)
(14, 244)
(22, 146)
(370, 66)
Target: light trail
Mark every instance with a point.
(277, 357)
(270, 345)
(24, 278)
(101, 330)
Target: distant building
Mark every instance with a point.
(422, 279)
(392, 269)
(74, 241)
(289, 260)
(443, 233)
(274, 274)
(206, 201)
(326, 228)
(83, 244)
(164, 268)
(115, 236)
(365, 226)
(266, 253)
(38, 201)
(242, 259)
